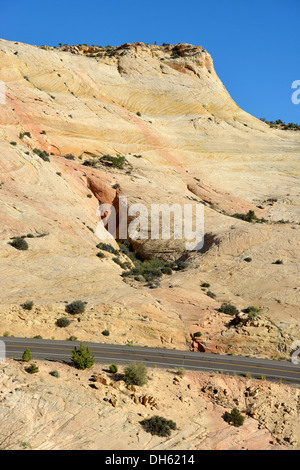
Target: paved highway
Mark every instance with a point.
(167, 358)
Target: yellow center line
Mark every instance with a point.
(166, 357)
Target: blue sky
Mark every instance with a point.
(255, 44)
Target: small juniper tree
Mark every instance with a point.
(26, 355)
(234, 417)
(82, 358)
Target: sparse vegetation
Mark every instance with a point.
(82, 357)
(159, 426)
(75, 307)
(180, 371)
(42, 154)
(32, 369)
(228, 309)
(105, 333)
(135, 374)
(113, 368)
(63, 322)
(26, 357)
(234, 417)
(55, 374)
(28, 305)
(249, 217)
(19, 243)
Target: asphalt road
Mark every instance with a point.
(166, 358)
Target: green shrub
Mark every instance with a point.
(197, 334)
(27, 305)
(135, 374)
(26, 355)
(105, 333)
(42, 154)
(19, 243)
(108, 248)
(113, 368)
(159, 426)
(115, 162)
(82, 358)
(234, 417)
(72, 338)
(75, 307)
(252, 311)
(55, 374)
(32, 369)
(211, 294)
(205, 284)
(63, 322)
(228, 309)
(38, 337)
(180, 371)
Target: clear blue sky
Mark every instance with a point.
(255, 44)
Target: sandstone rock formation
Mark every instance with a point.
(185, 140)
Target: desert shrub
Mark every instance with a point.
(138, 114)
(32, 369)
(72, 338)
(19, 243)
(42, 154)
(159, 426)
(63, 322)
(228, 309)
(211, 294)
(13, 143)
(252, 311)
(22, 135)
(26, 357)
(278, 261)
(55, 374)
(113, 368)
(135, 374)
(82, 358)
(248, 259)
(100, 255)
(105, 333)
(180, 371)
(197, 334)
(38, 337)
(205, 284)
(69, 156)
(234, 417)
(28, 305)
(114, 162)
(75, 307)
(108, 248)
